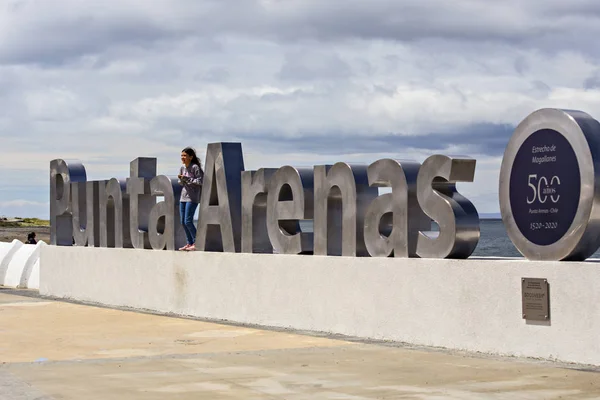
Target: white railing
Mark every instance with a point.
(20, 264)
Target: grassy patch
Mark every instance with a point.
(35, 222)
(24, 222)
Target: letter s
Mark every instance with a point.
(456, 215)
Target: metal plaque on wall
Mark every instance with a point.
(534, 299)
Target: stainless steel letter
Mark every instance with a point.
(393, 220)
(219, 220)
(62, 174)
(290, 199)
(142, 170)
(86, 213)
(114, 214)
(342, 195)
(255, 238)
(164, 231)
(456, 216)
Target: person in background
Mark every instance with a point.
(31, 238)
(190, 177)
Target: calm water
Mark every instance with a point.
(494, 241)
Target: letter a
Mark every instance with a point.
(219, 218)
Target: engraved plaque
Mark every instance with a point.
(534, 299)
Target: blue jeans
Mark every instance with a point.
(186, 214)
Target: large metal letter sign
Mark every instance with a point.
(254, 211)
(79, 212)
(62, 174)
(86, 213)
(289, 200)
(221, 200)
(164, 229)
(342, 195)
(141, 171)
(393, 220)
(550, 186)
(114, 214)
(270, 210)
(456, 216)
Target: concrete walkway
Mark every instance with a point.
(58, 350)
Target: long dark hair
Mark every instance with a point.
(192, 153)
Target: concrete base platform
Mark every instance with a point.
(56, 350)
(468, 305)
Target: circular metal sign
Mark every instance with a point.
(549, 189)
(544, 187)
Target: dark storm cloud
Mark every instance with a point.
(293, 80)
(59, 42)
(564, 9)
(593, 82)
(481, 139)
(52, 32)
(306, 66)
(215, 74)
(521, 65)
(541, 86)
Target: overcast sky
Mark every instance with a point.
(297, 82)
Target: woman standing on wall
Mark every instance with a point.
(190, 177)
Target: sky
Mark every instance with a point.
(297, 82)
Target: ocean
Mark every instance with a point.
(494, 241)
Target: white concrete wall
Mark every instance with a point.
(20, 264)
(470, 305)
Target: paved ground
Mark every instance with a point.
(57, 350)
